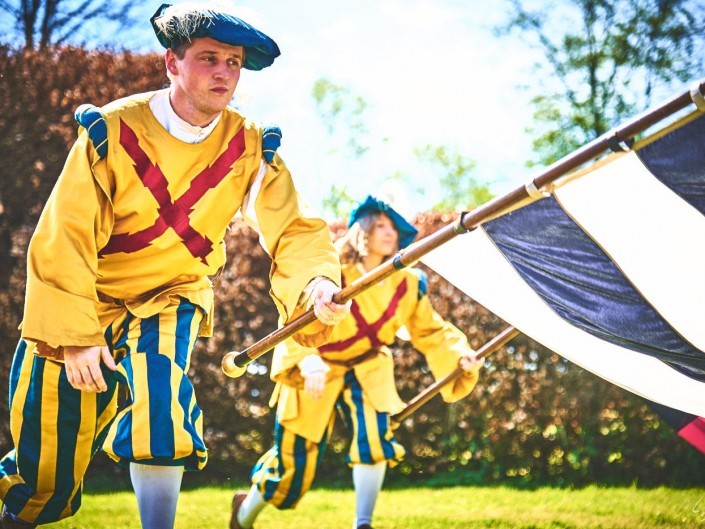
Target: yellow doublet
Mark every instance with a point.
(376, 317)
(122, 257)
(159, 209)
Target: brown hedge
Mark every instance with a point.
(534, 419)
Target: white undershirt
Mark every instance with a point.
(177, 127)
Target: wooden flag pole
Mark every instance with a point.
(431, 391)
(234, 364)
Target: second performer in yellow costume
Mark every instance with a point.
(355, 372)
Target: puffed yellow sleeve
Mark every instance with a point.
(298, 242)
(60, 301)
(442, 343)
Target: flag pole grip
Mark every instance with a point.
(431, 391)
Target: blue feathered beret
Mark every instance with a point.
(180, 24)
(406, 230)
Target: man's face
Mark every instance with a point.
(203, 82)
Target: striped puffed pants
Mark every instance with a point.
(57, 429)
(286, 472)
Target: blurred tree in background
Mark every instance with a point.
(342, 113)
(338, 201)
(39, 90)
(460, 190)
(44, 23)
(604, 62)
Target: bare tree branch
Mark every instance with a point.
(9, 8)
(42, 23)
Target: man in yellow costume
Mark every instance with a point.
(355, 372)
(119, 270)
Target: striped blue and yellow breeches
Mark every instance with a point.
(57, 429)
(286, 472)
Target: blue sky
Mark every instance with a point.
(431, 71)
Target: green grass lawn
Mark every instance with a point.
(426, 508)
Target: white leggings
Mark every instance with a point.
(157, 490)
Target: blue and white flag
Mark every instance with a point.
(689, 427)
(609, 270)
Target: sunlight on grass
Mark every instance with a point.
(427, 508)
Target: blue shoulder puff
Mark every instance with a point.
(423, 281)
(271, 140)
(89, 117)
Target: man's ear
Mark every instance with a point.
(170, 61)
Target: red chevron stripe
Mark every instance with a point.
(365, 329)
(172, 214)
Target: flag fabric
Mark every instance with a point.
(689, 427)
(608, 270)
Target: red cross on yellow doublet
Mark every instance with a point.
(173, 214)
(365, 329)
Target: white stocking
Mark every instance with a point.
(157, 491)
(250, 508)
(367, 480)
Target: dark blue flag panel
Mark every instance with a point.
(678, 160)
